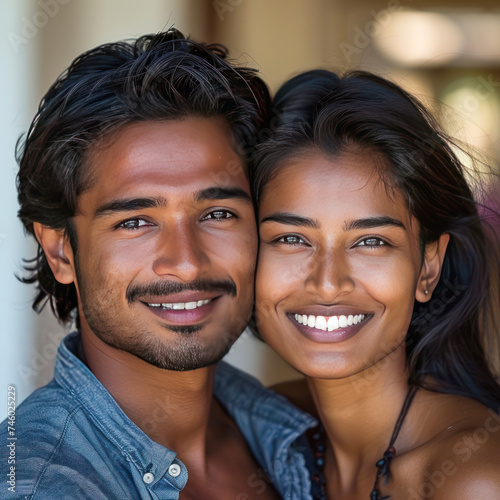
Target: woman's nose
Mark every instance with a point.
(329, 274)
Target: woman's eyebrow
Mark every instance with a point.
(371, 222)
(365, 223)
(290, 219)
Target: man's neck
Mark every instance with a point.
(178, 410)
(173, 408)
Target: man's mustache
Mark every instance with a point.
(161, 288)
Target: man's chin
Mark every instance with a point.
(187, 355)
(183, 329)
(195, 365)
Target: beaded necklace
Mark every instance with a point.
(383, 465)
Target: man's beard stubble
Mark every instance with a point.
(187, 352)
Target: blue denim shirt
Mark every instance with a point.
(74, 441)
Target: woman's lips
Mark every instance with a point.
(329, 323)
(183, 313)
(334, 328)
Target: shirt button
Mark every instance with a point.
(174, 470)
(148, 478)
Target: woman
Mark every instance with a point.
(375, 280)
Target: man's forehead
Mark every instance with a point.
(154, 159)
(204, 136)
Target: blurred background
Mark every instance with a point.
(446, 52)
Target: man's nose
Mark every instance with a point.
(180, 253)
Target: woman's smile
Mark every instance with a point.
(335, 328)
(329, 323)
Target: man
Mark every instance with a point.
(133, 179)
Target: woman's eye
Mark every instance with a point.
(219, 215)
(290, 239)
(371, 242)
(134, 224)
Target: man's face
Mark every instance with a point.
(167, 243)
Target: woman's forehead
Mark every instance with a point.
(350, 186)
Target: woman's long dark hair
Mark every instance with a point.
(452, 341)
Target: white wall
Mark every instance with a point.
(17, 324)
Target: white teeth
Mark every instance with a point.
(320, 323)
(298, 318)
(329, 323)
(181, 305)
(333, 323)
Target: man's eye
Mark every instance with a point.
(134, 224)
(371, 242)
(290, 239)
(219, 215)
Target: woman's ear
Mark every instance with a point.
(431, 268)
(58, 252)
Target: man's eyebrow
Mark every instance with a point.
(128, 205)
(222, 193)
(372, 222)
(290, 219)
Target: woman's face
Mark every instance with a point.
(339, 265)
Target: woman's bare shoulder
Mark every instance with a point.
(463, 460)
(297, 392)
(468, 462)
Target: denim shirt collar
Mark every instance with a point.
(273, 427)
(269, 422)
(257, 404)
(147, 455)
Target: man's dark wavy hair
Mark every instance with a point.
(452, 341)
(158, 77)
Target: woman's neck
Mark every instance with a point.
(359, 414)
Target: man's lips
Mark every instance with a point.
(187, 308)
(188, 296)
(179, 306)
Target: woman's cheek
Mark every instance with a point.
(265, 277)
(267, 284)
(288, 270)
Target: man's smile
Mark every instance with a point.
(180, 305)
(188, 312)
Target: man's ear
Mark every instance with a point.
(431, 268)
(58, 252)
